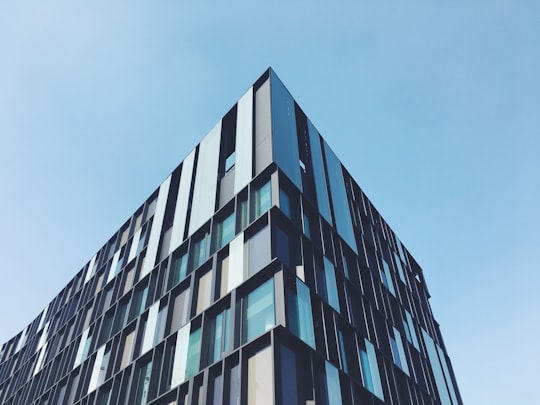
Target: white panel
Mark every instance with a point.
(155, 232)
(134, 244)
(244, 142)
(180, 214)
(114, 263)
(150, 329)
(180, 355)
(96, 371)
(236, 262)
(204, 193)
(82, 343)
(90, 271)
(39, 362)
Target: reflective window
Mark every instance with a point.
(332, 385)
(300, 318)
(178, 270)
(386, 278)
(199, 252)
(258, 311)
(285, 203)
(260, 384)
(370, 370)
(398, 352)
(259, 251)
(410, 332)
(400, 268)
(263, 199)
(143, 383)
(331, 285)
(218, 336)
(180, 310)
(224, 231)
(138, 302)
(193, 354)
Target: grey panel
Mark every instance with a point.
(182, 200)
(244, 142)
(204, 194)
(263, 128)
(226, 187)
(155, 232)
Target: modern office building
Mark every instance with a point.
(258, 272)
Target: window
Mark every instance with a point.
(285, 203)
(263, 199)
(199, 252)
(180, 310)
(230, 161)
(259, 250)
(386, 278)
(370, 370)
(194, 351)
(143, 383)
(224, 232)
(218, 336)
(258, 311)
(139, 301)
(331, 285)
(178, 270)
(300, 318)
(410, 332)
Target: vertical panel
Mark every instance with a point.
(204, 193)
(244, 142)
(39, 362)
(180, 355)
(182, 200)
(260, 385)
(236, 262)
(80, 351)
(157, 224)
(401, 351)
(305, 314)
(284, 136)
(340, 203)
(374, 369)
(263, 128)
(319, 173)
(332, 384)
(150, 329)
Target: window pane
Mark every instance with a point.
(260, 383)
(180, 310)
(259, 311)
(224, 231)
(332, 384)
(179, 270)
(285, 202)
(331, 286)
(259, 250)
(143, 384)
(263, 199)
(194, 351)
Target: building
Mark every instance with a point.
(257, 273)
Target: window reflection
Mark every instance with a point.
(258, 311)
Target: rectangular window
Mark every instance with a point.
(193, 354)
(180, 310)
(224, 232)
(386, 278)
(285, 203)
(263, 199)
(199, 252)
(224, 276)
(331, 285)
(139, 302)
(370, 370)
(400, 268)
(178, 270)
(300, 318)
(143, 383)
(258, 311)
(259, 251)
(410, 332)
(217, 336)
(332, 385)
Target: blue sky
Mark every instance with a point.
(434, 108)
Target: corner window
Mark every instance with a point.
(258, 311)
(224, 232)
(263, 199)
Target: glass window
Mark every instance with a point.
(386, 278)
(229, 162)
(331, 285)
(398, 351)
(128, 344)
(234, 385)
(410, 332)
(199, 252)
(138, 302)
(224, 276)
(143, 383)
(260, 385)
(285, 203)
(370, 370)
(243, 213)
(193, 354)
(400, 268)
(263, 199)
(218, 336)
(332, 385)
(224, 231)
(204, 295)
(307, 230)
(258, 311)
(179, 270)
(300, 318)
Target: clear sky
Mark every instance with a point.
(434, 108)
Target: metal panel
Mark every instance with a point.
(318, 172)
(157, 224)
(134, 244)
(114, 263)
(236, 262)
(180, 355)
(263, 128)
(244, 142)
(182, 200)
(204, 193)
(97, 369)
(150, 329)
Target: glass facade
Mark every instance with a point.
(257, 273)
